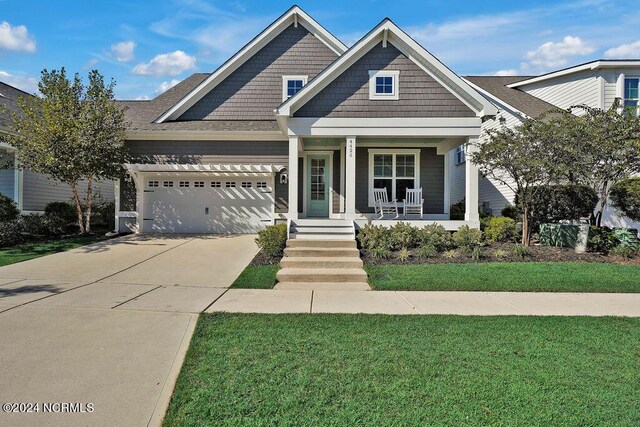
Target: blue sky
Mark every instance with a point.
(147, 46)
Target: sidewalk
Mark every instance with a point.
(406, 302)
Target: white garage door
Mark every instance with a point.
(207, 204)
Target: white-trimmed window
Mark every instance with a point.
(631, 93)
(383, 85)
(261, 184)
(395, 170)
(230, 184)
(291, 85)
(215, 184)
(460, 158)
(167, 183)
(246, 184)
(184, 184)
(153, 184)
(198, 184)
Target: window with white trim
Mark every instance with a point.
(261, 184)
(460, 157)
(384, 85)
(167, 183)
(230, 184)
(215, 184)
(291, 85)
(183, 184)
(154, 184)
(631, 94)
(198, 184)
(396, 171)
(246, 184)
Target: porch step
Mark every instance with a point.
(323, 286)
(316, 229)
(325, 243)
(321, 252)
(323, 222)
(322, 275)
(321, 236)
(321, 229)
(321, 262)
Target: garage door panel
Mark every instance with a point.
(207, 209)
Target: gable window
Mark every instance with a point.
(291, 85)
(383, 84)
(631, 95)
(394, 170)
(460, 155)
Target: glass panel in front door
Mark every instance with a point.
(318, 185)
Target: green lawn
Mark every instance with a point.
(257, 277)
(376, 370)
(505, 276)
(28, 251)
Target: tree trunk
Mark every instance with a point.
(76, 198)
(87, 218)
(526, 235)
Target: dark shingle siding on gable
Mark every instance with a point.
(420, 94)
(254, 90)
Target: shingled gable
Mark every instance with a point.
(387, 35)
(293, 18)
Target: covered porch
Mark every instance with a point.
(333, 178)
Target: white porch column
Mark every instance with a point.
(138, 180)
(471, 183)
(116, 199)
(350, 178)
(294, 142)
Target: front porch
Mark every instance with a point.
(333, 178)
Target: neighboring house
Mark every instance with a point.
(31, 191)
(295, 125)
(595, 84)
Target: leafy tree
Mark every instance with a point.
(523, 159)
(605, 148)
(625, 196)
(72, 133)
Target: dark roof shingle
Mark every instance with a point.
(9, 103)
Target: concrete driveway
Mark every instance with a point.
(108, 324)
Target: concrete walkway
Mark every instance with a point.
(108, 324)
(405, 302)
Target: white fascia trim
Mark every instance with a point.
(295, 14)
(588, 66)
(396, 127)
(394, 74)
(285, 80)
(409, 47)
(511, 108)
(205, 136)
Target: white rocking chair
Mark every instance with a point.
(414, 203)
(383, 205)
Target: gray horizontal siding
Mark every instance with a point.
(254, 90)
(431, 180)
(7, 180)
(420, 95)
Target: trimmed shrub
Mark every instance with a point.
(403, 235)
(554, 203)
(601, 239)
(62, 210)
(30, 228)
(435, 236)
(467, 238)
(456, 210)
(625, 196)
(511, 211)
(8, 209)
(624, 251)
(374, 236)
(500, 229)
(272, 240)
(403, 255)
(427, 252)
(381, 252)
(105, 214)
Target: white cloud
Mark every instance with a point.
(557, 54)
(123, 51)
(28, 84)
(509, 72)
(165, 86)
(90, 63)
(166, 64)
(624, 51)
(16, 38)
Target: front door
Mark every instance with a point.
(318, 185)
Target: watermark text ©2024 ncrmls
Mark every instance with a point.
(48, 407)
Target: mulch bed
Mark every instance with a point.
(264, 259)
(538, 254)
